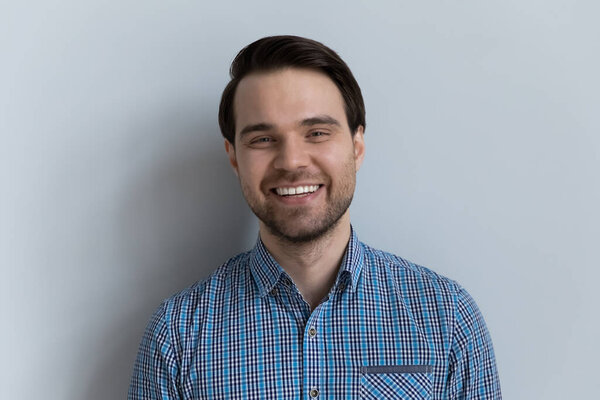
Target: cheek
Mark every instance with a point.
(338, 163)
(251, 170)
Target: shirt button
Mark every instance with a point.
(314, 393)
(312, 332)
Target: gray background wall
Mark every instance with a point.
(483, 159)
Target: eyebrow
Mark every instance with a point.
(318, 120)
(261, 127)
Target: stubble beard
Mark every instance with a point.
(304, 224)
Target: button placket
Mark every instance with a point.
(313, 367)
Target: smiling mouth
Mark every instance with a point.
(295, 191)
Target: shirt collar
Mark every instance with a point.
(352, 262)
(267, 272)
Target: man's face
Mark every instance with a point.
(294, 153)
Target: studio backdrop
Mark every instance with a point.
(482, 163)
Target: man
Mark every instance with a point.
(310, 312)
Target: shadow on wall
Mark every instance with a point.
(179, 219)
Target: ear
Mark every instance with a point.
(359, 146)
(231, 154)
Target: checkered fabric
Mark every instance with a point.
(389, 329)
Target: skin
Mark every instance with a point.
(291, 130)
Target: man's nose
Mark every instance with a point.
(292, 155)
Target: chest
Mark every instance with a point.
(354, 345)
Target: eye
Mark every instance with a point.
(261, 141)
(318, 135)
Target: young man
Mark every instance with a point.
(310, 312)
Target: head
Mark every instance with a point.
(280, 52)
(294, 135)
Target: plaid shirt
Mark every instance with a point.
(388, 329)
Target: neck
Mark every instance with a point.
(313, 266)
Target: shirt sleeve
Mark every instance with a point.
(155, 371)
(472, 370)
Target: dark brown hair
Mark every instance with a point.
(276, 52)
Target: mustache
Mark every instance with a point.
(292, 177)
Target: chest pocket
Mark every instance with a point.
(396, 382)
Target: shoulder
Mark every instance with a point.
(411, 278)
(188, 305)
(432, 298)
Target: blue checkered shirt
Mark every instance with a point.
(388, 329)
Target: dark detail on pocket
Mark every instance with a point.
(396, 369)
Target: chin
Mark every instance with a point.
(301, 235)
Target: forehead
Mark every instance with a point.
(285, 97)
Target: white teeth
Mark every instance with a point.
(296, 190)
